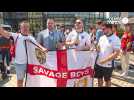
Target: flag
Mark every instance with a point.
(61, 68)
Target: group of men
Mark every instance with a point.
(103, 39)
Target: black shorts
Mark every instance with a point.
(105, 72)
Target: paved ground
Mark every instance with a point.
(117, 81)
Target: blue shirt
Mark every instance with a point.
(99, 33)
(50, 39)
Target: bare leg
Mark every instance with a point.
(108, 83)
(100, 82)
(19, 83)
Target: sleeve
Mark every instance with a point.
(14, 35)
(88, 41)
(62, 36)
(40, 38)
(98, 35)
(71, 37)
(116, 44)
(32, 39)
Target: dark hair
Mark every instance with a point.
(108, 25)
(92, 27)
(23, 21)
(115, 26)
(62, 26)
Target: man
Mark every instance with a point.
(108, 48)
(78, 38)
(50, 38)
(114, 29)
(126, 44)
(99, 31)
(20, 50)
(5, 53)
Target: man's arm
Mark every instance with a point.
(40, 38)
(116, 47)
(4, 33)
(110, 57)
(31, 39)
(72, 40)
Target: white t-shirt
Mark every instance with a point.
(107, 47)
(20, 53)
(84, 38)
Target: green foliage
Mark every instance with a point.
(120, 32)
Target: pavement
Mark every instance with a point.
(117, 81)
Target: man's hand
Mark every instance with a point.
(60, 46)
(102, 61)
(77, 42)
(124, 52)
(45, 50)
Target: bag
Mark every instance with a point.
(13, 47)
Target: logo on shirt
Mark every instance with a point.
(41, 56)
(82, 37)
(110, 41)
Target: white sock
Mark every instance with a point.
(8, 68)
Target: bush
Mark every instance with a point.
(120, 32)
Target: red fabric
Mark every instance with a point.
(58, 74)
(62, 66)
(126, 38)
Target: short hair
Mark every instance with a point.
(23, 21)
(79, 19)
(108, 25)
(114, 25)
(62, 26)
(50, 19)
(91, 27)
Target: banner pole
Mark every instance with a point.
(27, 63)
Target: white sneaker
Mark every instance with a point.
(124, 74)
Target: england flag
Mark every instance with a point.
(61, 68)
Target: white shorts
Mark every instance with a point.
(20, 71)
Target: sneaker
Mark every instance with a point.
(124, 74)
(8, 73)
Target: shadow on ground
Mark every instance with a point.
(2, 82)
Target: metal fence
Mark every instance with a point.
(37, 20)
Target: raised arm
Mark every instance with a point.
(4, 33)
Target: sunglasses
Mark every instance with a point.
(77, 22)
(103, 29)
